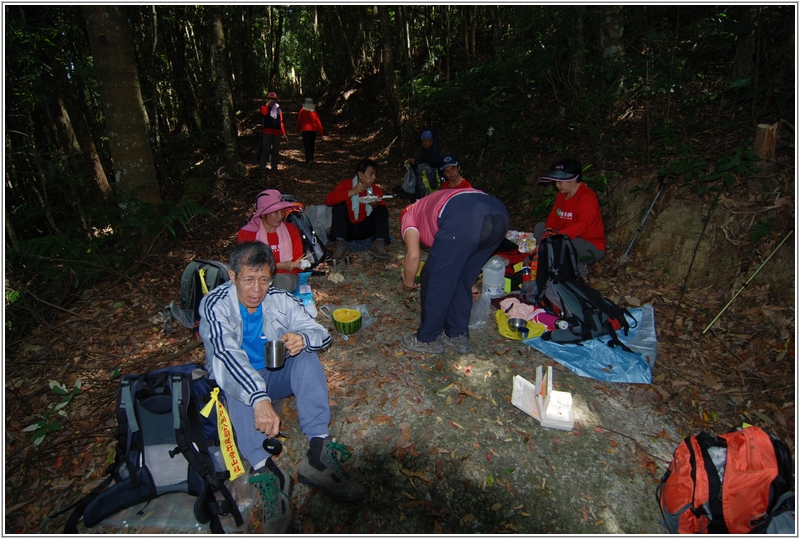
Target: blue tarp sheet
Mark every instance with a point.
(595, 359)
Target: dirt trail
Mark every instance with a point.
(435, 439)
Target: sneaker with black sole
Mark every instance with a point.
(378, 249)
(412, 344)
(275, 487)
(321, 467)
(340, 250)
(460, 344)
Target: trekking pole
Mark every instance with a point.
(747, 282)
(646, 215)
(489, 133)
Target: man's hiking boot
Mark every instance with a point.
(460, 344)
(322, 467)
(378, 249)
(412, 344)
(340, 250)
(275, 487)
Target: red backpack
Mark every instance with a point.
(724, 484)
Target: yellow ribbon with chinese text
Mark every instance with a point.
(233, 462)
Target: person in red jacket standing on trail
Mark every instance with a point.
(309, 125)
(272, 132)
(575, 213)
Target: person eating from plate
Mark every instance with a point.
(359, 212)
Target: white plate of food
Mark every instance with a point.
(369, 199)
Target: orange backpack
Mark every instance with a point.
(724, 484)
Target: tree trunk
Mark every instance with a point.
(465, 18)
(175, 45)
(743, 61)
(346, 41)
(578, 56)
(121, 97)
(388, 67)
(611, 44)
(447, 42)
(274, 72)
(405, 36)
(75, 137)
(473, 23)
(224, 95)
(494, 12)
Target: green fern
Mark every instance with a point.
(759, 230)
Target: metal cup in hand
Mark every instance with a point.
(274, 355)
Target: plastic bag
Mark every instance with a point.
(645, 339)
(535, 329)
(366, 319)
(480, 311)
(173, 513)
(409, 180)
(497, 262)
(303, 291)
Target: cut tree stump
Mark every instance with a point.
(766, 136)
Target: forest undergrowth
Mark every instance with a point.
(742, 370)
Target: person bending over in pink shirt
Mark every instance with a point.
(462, 227)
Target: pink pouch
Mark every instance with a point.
(543, 317)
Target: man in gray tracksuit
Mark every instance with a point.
(236, 319)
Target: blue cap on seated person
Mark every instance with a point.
(427, 134)
(558, 174)
(449, 160)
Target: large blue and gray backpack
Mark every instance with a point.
(198, 279)
(166, 443)
(564, 293)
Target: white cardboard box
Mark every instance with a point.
(550, 408)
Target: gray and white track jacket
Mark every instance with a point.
(221, 331)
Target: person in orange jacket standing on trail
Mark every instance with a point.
(309, 125)
(272, 132)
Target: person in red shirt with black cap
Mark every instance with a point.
(576, 213)
(452, 174)
(272, 132)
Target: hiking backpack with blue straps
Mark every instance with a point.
(563, 292)
(169, 439)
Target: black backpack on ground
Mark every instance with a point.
(159, 417)
(564, 293)
(198, 279)
(315, 252)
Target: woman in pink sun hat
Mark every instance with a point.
(267, 226)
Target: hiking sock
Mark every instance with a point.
(272, 467)
(315, 449)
